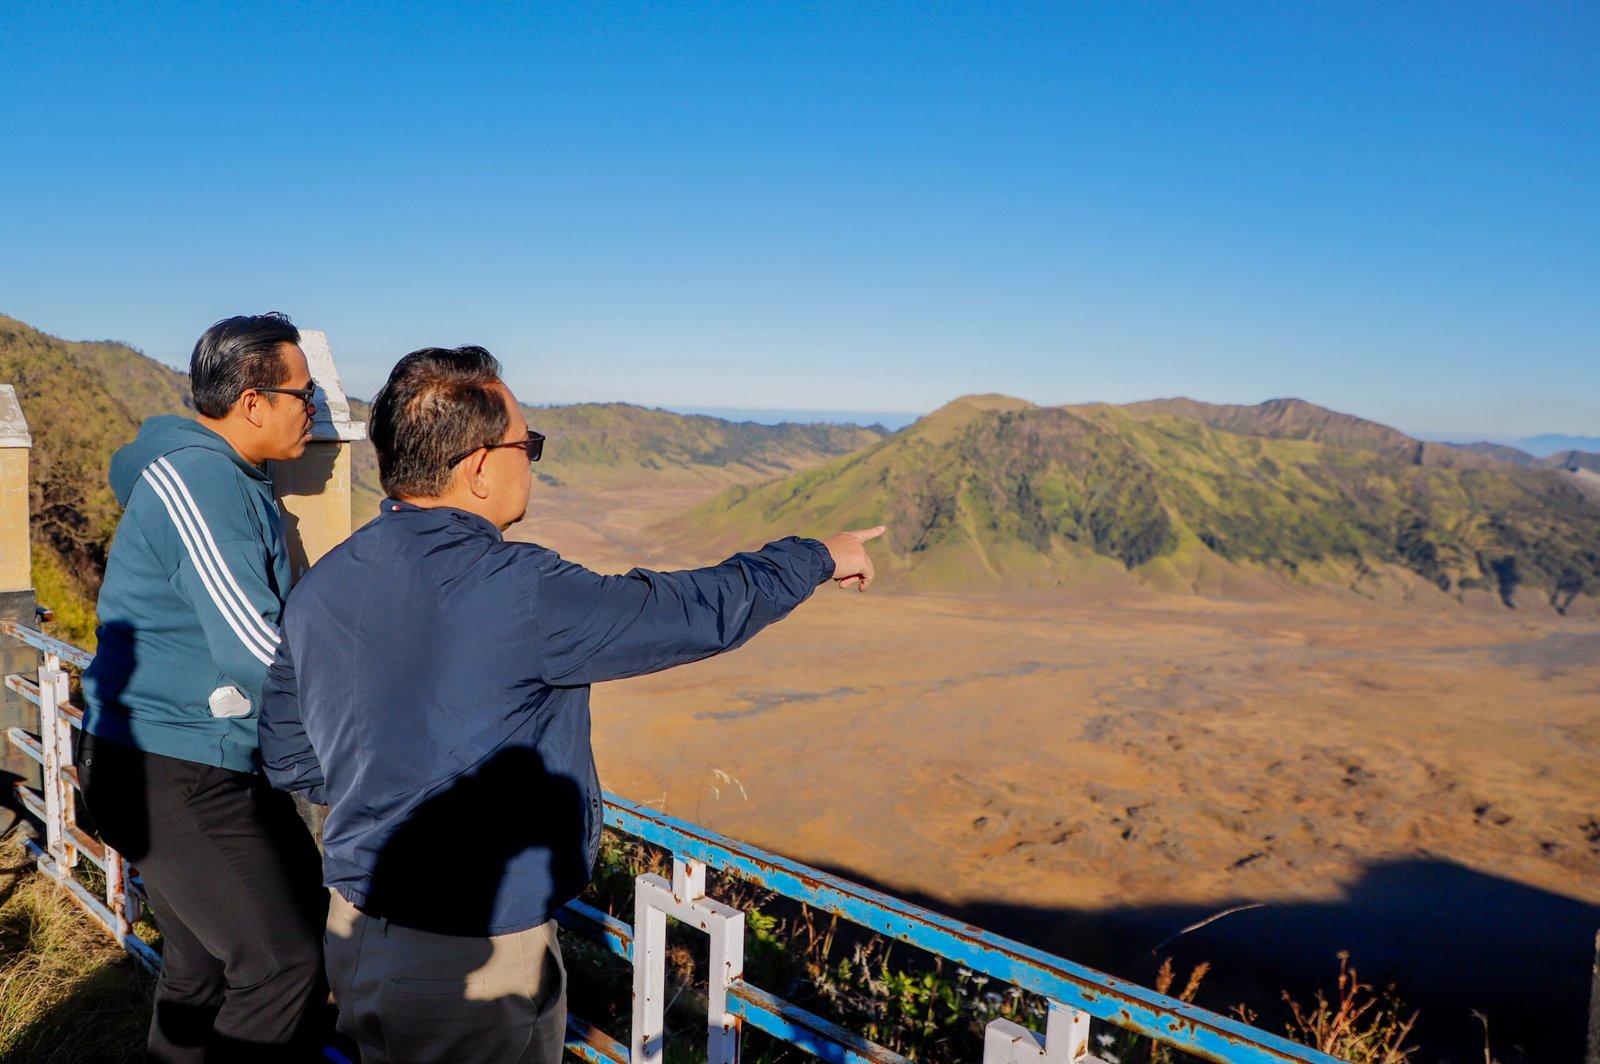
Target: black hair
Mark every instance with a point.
(437, 403)
(237, 354)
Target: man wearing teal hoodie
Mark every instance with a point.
(189, 614)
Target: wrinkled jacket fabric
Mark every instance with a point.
(191, 599)
(432, 689)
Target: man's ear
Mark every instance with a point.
(477, 479)
(250, 405)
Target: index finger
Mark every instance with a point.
(864, 534)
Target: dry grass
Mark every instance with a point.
(1130, 1048)
(68, 994)
(1360, 1024)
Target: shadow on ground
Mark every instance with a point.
(103, 1019)
(1453, 940)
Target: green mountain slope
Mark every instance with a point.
(82, 402)
(989, 492)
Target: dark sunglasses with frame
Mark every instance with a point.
(302, 394)
(533, 445)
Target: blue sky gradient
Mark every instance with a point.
(1388, 209)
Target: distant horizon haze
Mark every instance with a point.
(1522, 419)
(361, 381)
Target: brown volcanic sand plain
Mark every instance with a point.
(1417, 785)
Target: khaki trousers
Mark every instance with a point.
(414, 997)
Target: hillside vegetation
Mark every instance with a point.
(1182, 495)
(82, 402)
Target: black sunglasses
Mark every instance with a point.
(302, 394)
(534, 445)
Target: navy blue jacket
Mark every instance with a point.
(432, 689)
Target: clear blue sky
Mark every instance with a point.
(1387, 208)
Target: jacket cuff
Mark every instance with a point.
(824, 560)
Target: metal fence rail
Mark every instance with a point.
(66, 846)
(1076, 994)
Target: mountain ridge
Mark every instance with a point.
(987, 492)
(990, 490)
(1301, 420)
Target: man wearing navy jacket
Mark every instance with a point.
(432, 689)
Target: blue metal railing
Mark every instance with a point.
(1075, 993)
(1127, 1005)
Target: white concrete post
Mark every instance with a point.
(314, 490)
(16, 596)
(15, 442)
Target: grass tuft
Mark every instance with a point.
(68, 993)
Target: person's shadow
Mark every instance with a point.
(308, 475)
(509, 825)
(444, 868)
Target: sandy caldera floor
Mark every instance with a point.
(1419, 787)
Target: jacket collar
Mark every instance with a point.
(443, 514)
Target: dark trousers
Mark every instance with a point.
(413, 997)
(234, 880)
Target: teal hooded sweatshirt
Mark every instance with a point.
(191, 601)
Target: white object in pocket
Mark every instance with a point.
(229, 702)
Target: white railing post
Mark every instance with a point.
(119, 897)
(1065, 1041)
(649, 974)
(55, 737)
(684, 899)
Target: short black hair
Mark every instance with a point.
(237, 354)
(436, 403)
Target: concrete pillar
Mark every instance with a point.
(315, 490)
(15, 442)
(16, 594)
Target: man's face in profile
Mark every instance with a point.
(286, 421)
(509, 472)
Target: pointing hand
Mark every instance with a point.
(851, 565)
